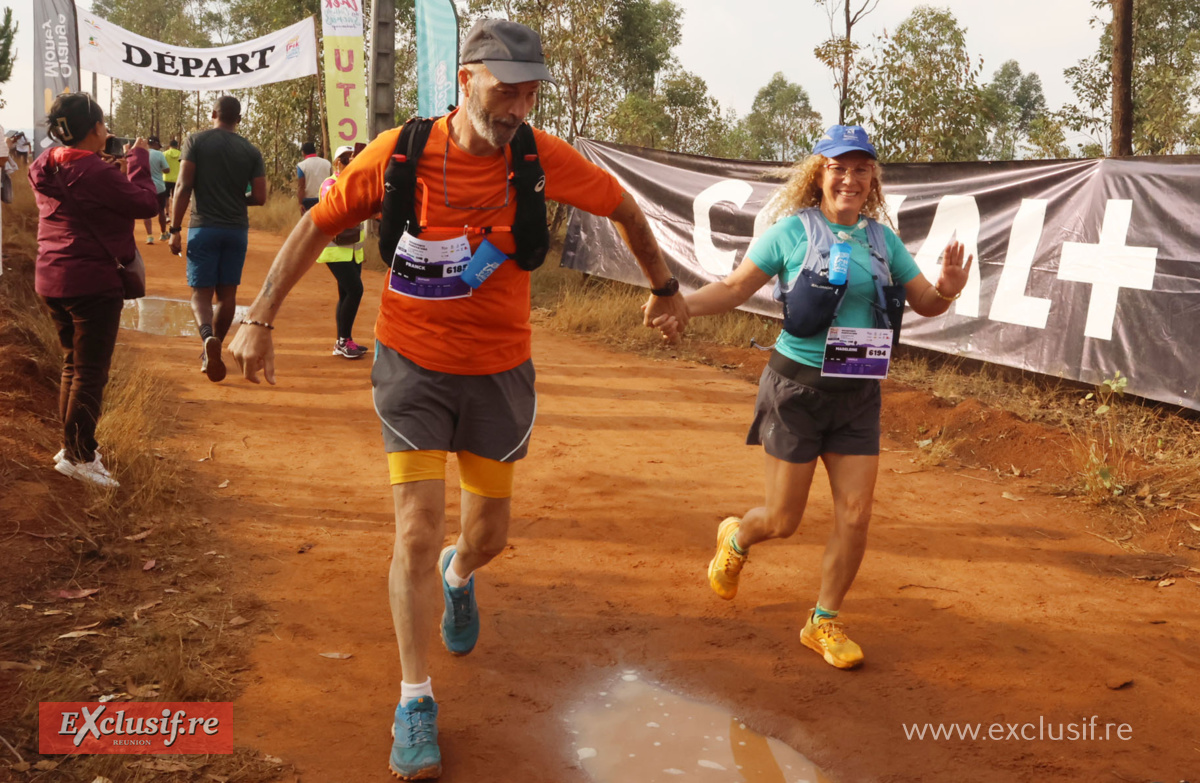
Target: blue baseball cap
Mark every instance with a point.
(840, 139)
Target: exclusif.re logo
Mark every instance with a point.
(135, 727)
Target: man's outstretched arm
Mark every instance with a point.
(252, 347)
(635, 229)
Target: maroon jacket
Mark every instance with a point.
(103, 203)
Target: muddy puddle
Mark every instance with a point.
(167, 317)
(637, 732)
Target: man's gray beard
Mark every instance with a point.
(484, 126)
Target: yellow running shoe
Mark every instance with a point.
(827, 638)
(726, 563)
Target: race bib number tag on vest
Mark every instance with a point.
(857, 353)
(430, 270)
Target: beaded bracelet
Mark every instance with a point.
(945, 298)
(249, 322)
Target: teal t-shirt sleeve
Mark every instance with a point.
(771, 251)
(904, 268)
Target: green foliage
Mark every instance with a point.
(839, 53)
(7, 30)
(919, 91)
(1013, 101)
(782, 125)
(643, 34)
(1166, 81)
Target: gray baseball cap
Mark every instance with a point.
(511, 51)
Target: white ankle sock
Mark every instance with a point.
(408, 691)
(452, 577)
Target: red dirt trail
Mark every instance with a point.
(971, 607)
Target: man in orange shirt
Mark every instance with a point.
(452, 367)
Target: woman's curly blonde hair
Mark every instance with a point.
(803, 190)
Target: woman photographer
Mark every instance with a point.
(87, 204)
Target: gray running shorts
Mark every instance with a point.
(797, 423)
(423, 410)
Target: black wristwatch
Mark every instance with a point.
(669, 288)
(175, 230)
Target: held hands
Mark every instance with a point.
(253, 350)
(954, 272)
(668, 314)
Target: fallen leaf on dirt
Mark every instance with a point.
(101, 779)
(24, 606)
(144, 607)
(85, 627)
(139, 536)
(23, 766)
(149, 564)
(162, 765)
(4, 665)
(239, 620)
(143, 691)
(305, 547)
(78, 634)
(223, 484)
(1011, 496)
(336, 656)
(1194, 526)
(1117, 683)
(213, 552)
(112, 697)
(170, 590)
(925, 443)
(1166, 583)
(46, 766)
(52, 612)
(217, 778)
(73, 594)
(272, 759)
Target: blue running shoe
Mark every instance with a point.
(415, 752)
(460, 620)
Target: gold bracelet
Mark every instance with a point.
(249, 322)
(943, 297)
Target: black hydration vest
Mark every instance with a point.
(399, 214)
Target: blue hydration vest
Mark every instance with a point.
(811, 302)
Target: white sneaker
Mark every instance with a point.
(93, 472)
(149, 240)
(62, 454)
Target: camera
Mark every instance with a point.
(115, 146)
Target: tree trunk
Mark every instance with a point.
(1122, 78)
(845, 69)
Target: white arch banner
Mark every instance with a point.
(114, 51)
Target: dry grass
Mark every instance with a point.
(278, 216)
(571, 302)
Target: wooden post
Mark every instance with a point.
(1122, 78)
(381, 94)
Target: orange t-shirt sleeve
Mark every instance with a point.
(358, 193)
(573, 179)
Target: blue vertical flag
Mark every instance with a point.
(437, 57)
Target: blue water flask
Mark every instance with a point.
(486, 259)
(839, 262)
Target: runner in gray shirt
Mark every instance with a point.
(219, 166)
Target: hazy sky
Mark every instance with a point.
(736, 45)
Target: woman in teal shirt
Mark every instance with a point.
(800, 414)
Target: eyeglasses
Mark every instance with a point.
(839, 171)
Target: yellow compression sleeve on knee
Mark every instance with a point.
(486, 477)
(408, 466)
